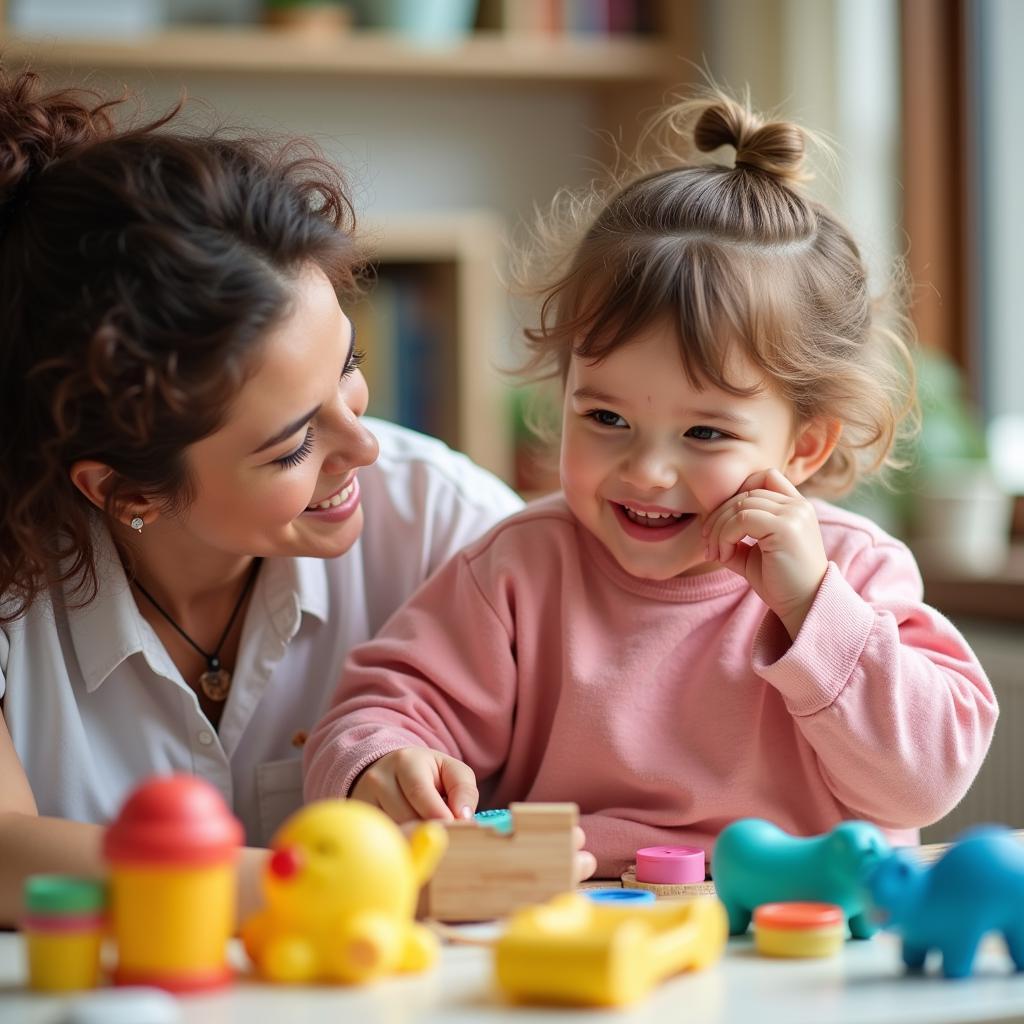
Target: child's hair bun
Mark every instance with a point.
(776, 147)
(37, 128)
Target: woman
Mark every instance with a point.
(195, 524)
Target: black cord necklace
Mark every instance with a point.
(216, 680)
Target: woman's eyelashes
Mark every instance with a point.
(306, 448)
(356, 360)
(300, 453)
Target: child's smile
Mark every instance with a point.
(650, 522)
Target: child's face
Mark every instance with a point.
(258, 475)
(638, 437)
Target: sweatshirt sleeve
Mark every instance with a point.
(441, 674)
(885, 689)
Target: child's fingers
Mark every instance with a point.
(776, 480)
(586, 865)
(459, 785)
(739, 508)
(753, 522)
(384, 792)
(419, 786)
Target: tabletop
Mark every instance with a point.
(864, 984)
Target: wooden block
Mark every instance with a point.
(487, 874)
(688, 891)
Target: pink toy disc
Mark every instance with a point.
(670, 865)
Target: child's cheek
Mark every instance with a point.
(721, 478)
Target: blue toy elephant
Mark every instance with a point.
(977, 886)
(755, 862)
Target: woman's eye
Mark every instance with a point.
(300, 453)
(357, 360)
(607, 418)
(705, 434)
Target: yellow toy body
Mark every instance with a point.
(574, 951)
(341, 890)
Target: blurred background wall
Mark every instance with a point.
(455, 118)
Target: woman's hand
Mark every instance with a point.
(787, 564)
(414, 783)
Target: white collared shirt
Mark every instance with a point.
(94, 703)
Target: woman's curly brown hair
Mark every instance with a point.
(140, 268)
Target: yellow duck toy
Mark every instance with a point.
(341, 888)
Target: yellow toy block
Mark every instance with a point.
(574, 951)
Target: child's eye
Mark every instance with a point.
(706, 434)
(357, 360)
(300, 453)
(607, 418)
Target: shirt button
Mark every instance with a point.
(206, 737)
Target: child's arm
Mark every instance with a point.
(885, 689)
(440, 676)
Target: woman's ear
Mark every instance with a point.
(815, 441)
(96, 479)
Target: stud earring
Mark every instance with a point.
(137, 523)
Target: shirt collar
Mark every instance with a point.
(108, 630)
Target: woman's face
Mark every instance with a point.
(279, 477)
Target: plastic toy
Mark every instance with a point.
(620, 896)
(755, 862)
(574, 951)
(172, 853)
(975, 887)
(670, 865)
(341, 891)
(500, 819)
(799, 929)
(489, 873)
(63, 925)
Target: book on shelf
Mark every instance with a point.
(409, 364)
(568, 17)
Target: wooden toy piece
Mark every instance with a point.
(341, 891)
(574, 951)
(487, 873)
(683, 891)
(172, 853)
(755, 862)
(63, 925)
(975, 887)
(799, 929)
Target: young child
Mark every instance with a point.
(682, 637)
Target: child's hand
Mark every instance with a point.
(415, 783)
(786, 566)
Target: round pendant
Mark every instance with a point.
(215, 684)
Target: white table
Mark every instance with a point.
(865, 984)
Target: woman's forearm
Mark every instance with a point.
(32, 845)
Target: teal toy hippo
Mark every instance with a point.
(976, 887)
(755, 862)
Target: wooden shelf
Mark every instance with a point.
(483, 56)
(990, 597)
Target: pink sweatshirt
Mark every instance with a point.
(668, 709)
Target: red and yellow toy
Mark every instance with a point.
(341, 889)
(172, 853)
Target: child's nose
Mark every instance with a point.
(650, 469)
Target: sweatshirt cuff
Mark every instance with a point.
(815, 667)
(340, 774)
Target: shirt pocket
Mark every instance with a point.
(278, 793)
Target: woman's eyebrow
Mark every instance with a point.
(286, 432)
(283, 435)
